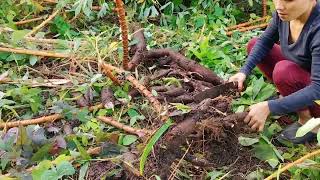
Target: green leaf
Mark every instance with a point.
(33, 60)
(65, 168)
(152, 142)
(50, 175)
(214, 174)
(245, 141)
(83, 115)
(273, 147)
(18, 35)
(61, 158)
(308, 126)
(134, 116)
(273, 162)
(40, 169)
(129, 139)
(41, 153)
(82, 151)
(182, 107)
(83, 171)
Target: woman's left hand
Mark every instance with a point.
(257, 116)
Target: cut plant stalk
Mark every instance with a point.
(124, 32)
(44, 119)
(29, 20)
(139, 132)
(43, 23)
(300, 160)
(35, 52)
(142, 89)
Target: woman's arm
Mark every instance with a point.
(263, 45)
(306, 96)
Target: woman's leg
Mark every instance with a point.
(268, 63)
(289, 77)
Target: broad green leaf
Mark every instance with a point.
(273, 147)
(129, 139)
(61, 158)
(83, 171)
(245, 141)
(40, 169)
(273, 162)
(308, 126)
(214, 174)
(50, 175)
(82, 151)
(41, 153)
(33, 60)
(134, 116)
(18, 35)
(152, 142)
(65, 168)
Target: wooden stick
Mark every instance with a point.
(43, 23)
(44, 119)
(35, 52)
(108, 72)
(142, 89)
(29, 20)
(124, 33)
(139, 132)
(40, 120)
(249, 28)
(300, 160)
(246, 23)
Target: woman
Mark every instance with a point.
(294, 66)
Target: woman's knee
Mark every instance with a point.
(251, 43)
(281, 72)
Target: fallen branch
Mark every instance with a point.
(44, 119)
(249, 28)
(108, 72)
(142, 89)
(43, 23)
(40, 120)
(139, 132)
(124, 33)
(35, 52)
(30, 20)
(300, 160)
(34, 83)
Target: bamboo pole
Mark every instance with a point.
(249, 28)
(35, 52)
(43, 23)
(246, 23)
(300, 160)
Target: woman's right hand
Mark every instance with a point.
(240, 78)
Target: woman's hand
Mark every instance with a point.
(257, 116)
(240, 78)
